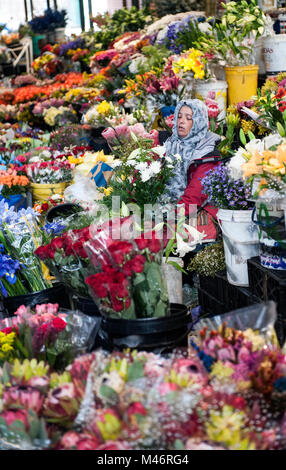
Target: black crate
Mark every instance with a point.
(231, 297)
(267, 284)
(209, 305)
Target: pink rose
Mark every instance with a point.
(138, 129)
(108, 134)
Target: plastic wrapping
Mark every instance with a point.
(83, 191)
(20, 235)
(51, 334)
(65, 255)
(259, 317)
(128, 281)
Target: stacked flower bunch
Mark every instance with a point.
(21, 272)
(43, 207)
(12, 183)
(57, 117)
(226, 192)
(45, 334)
(41, 106)
(267, 168)
(66, 257)
(22, 80)
(228, 394)
(159, 87)
(40, 405)
(48, 63)
(243, 111)
(127, 281)
(192, 62)
(141, 177)
(49, 172)
(105, 114)
(141, 400)
(60, 82)
(120, 141)
(82, 96)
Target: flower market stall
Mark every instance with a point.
(127, 323)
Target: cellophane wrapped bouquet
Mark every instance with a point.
(127, 281)
(65, 255)
(45, 333)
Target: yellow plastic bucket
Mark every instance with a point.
(41, 192)
(242, 83)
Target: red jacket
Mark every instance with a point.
(193, 192)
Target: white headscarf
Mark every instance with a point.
(198, 143)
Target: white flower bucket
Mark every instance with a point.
(240, 240)
(174, 280)
(274, 54)
(213, 89)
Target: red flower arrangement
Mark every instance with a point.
(128, 282)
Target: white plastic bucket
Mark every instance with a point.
(174, 280)
(240, 240)
(215, 90)
(274, 48)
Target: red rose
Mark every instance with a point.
(79, 250)
(42, 252)
(138, 263)
(59, 324)
(57, 243)
(119, 305)
(119, 249)
(154, 244)
(282, 106)
(141, 242)
(44, 207)
(98, 283)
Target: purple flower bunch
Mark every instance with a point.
(224, 192)
(77, 44)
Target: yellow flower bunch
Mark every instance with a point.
(191, 61)
(86, 93)
(6, 345)
(75, 160)
(268, 163)
(103, 108)
(227, 427)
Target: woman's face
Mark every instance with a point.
(185, 121)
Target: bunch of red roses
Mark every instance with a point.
(128, 281)
(67, 260)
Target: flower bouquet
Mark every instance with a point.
(225, 192)
(49, 172)
(120, 142)
(11, 183)
(127, 281)
(104, 114)
(140, 178)
(45, 334)
(66, 257)
(21, 272)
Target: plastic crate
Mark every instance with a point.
(209, 304)
(267, 284)
(231, 297)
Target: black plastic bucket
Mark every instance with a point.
(87, 306)
(54, 295)
(62, 210)
(153, 334)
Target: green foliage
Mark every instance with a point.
(171, 7)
